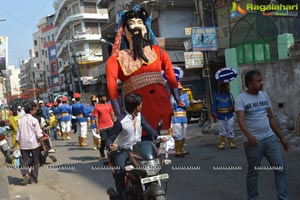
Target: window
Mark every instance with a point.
(89, 7)
(91, 28)
(36, 54)
(76, 9)
(35, 42)
(53, 67)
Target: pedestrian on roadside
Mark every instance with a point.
(104, 119)
(52, 126)
(258, 124)
(44, 126)
(28, 135)
(20, 111)
(93, 126)
(56, 113)
(4, 114)
(222, 111)
(79, 110)
(65, 111)
(45, 110)
(73, 120)
(179, 121)
(13, 123)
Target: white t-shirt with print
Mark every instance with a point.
(255, 110)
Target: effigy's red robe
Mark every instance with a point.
(144, 79)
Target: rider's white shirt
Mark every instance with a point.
(131, 132)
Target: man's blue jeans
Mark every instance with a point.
(270, 148)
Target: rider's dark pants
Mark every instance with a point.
(119, 161)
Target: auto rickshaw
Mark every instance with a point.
(196, 109)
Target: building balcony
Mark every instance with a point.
(85, 37)
(103, 17)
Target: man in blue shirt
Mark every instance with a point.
(45, 110)
(65, 111)
(222, 111)
(179, 121)
(79, 110)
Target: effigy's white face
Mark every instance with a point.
(137, 25)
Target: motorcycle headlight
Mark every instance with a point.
(152, 167)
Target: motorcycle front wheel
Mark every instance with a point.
(8, 157)
(159, 197)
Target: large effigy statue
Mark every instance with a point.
(139, 66)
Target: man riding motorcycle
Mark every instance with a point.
(125, 133)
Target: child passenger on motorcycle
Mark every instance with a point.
(124, 134)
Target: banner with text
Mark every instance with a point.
(3, 52)
(193, 59)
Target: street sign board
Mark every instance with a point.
(204, 39)
(193, 59)
(177, 71)
(188, 44)
(225, 75)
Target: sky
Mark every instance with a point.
(22, 17)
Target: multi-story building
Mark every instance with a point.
(3, 63)
(79, 52)
(27, 69)
(53, 80)
(44, 70)
(12, 83)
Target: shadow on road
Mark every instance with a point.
(14, 180)
(85, 158)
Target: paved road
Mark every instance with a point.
(79, 174)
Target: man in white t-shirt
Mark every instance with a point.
(257, 122)
(28, 135)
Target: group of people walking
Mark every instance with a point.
(36, 125)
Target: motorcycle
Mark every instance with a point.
(4, 147)
(203, 116)
(143, 172)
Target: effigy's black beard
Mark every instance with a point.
(138, 44)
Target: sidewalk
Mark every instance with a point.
(4, 192)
